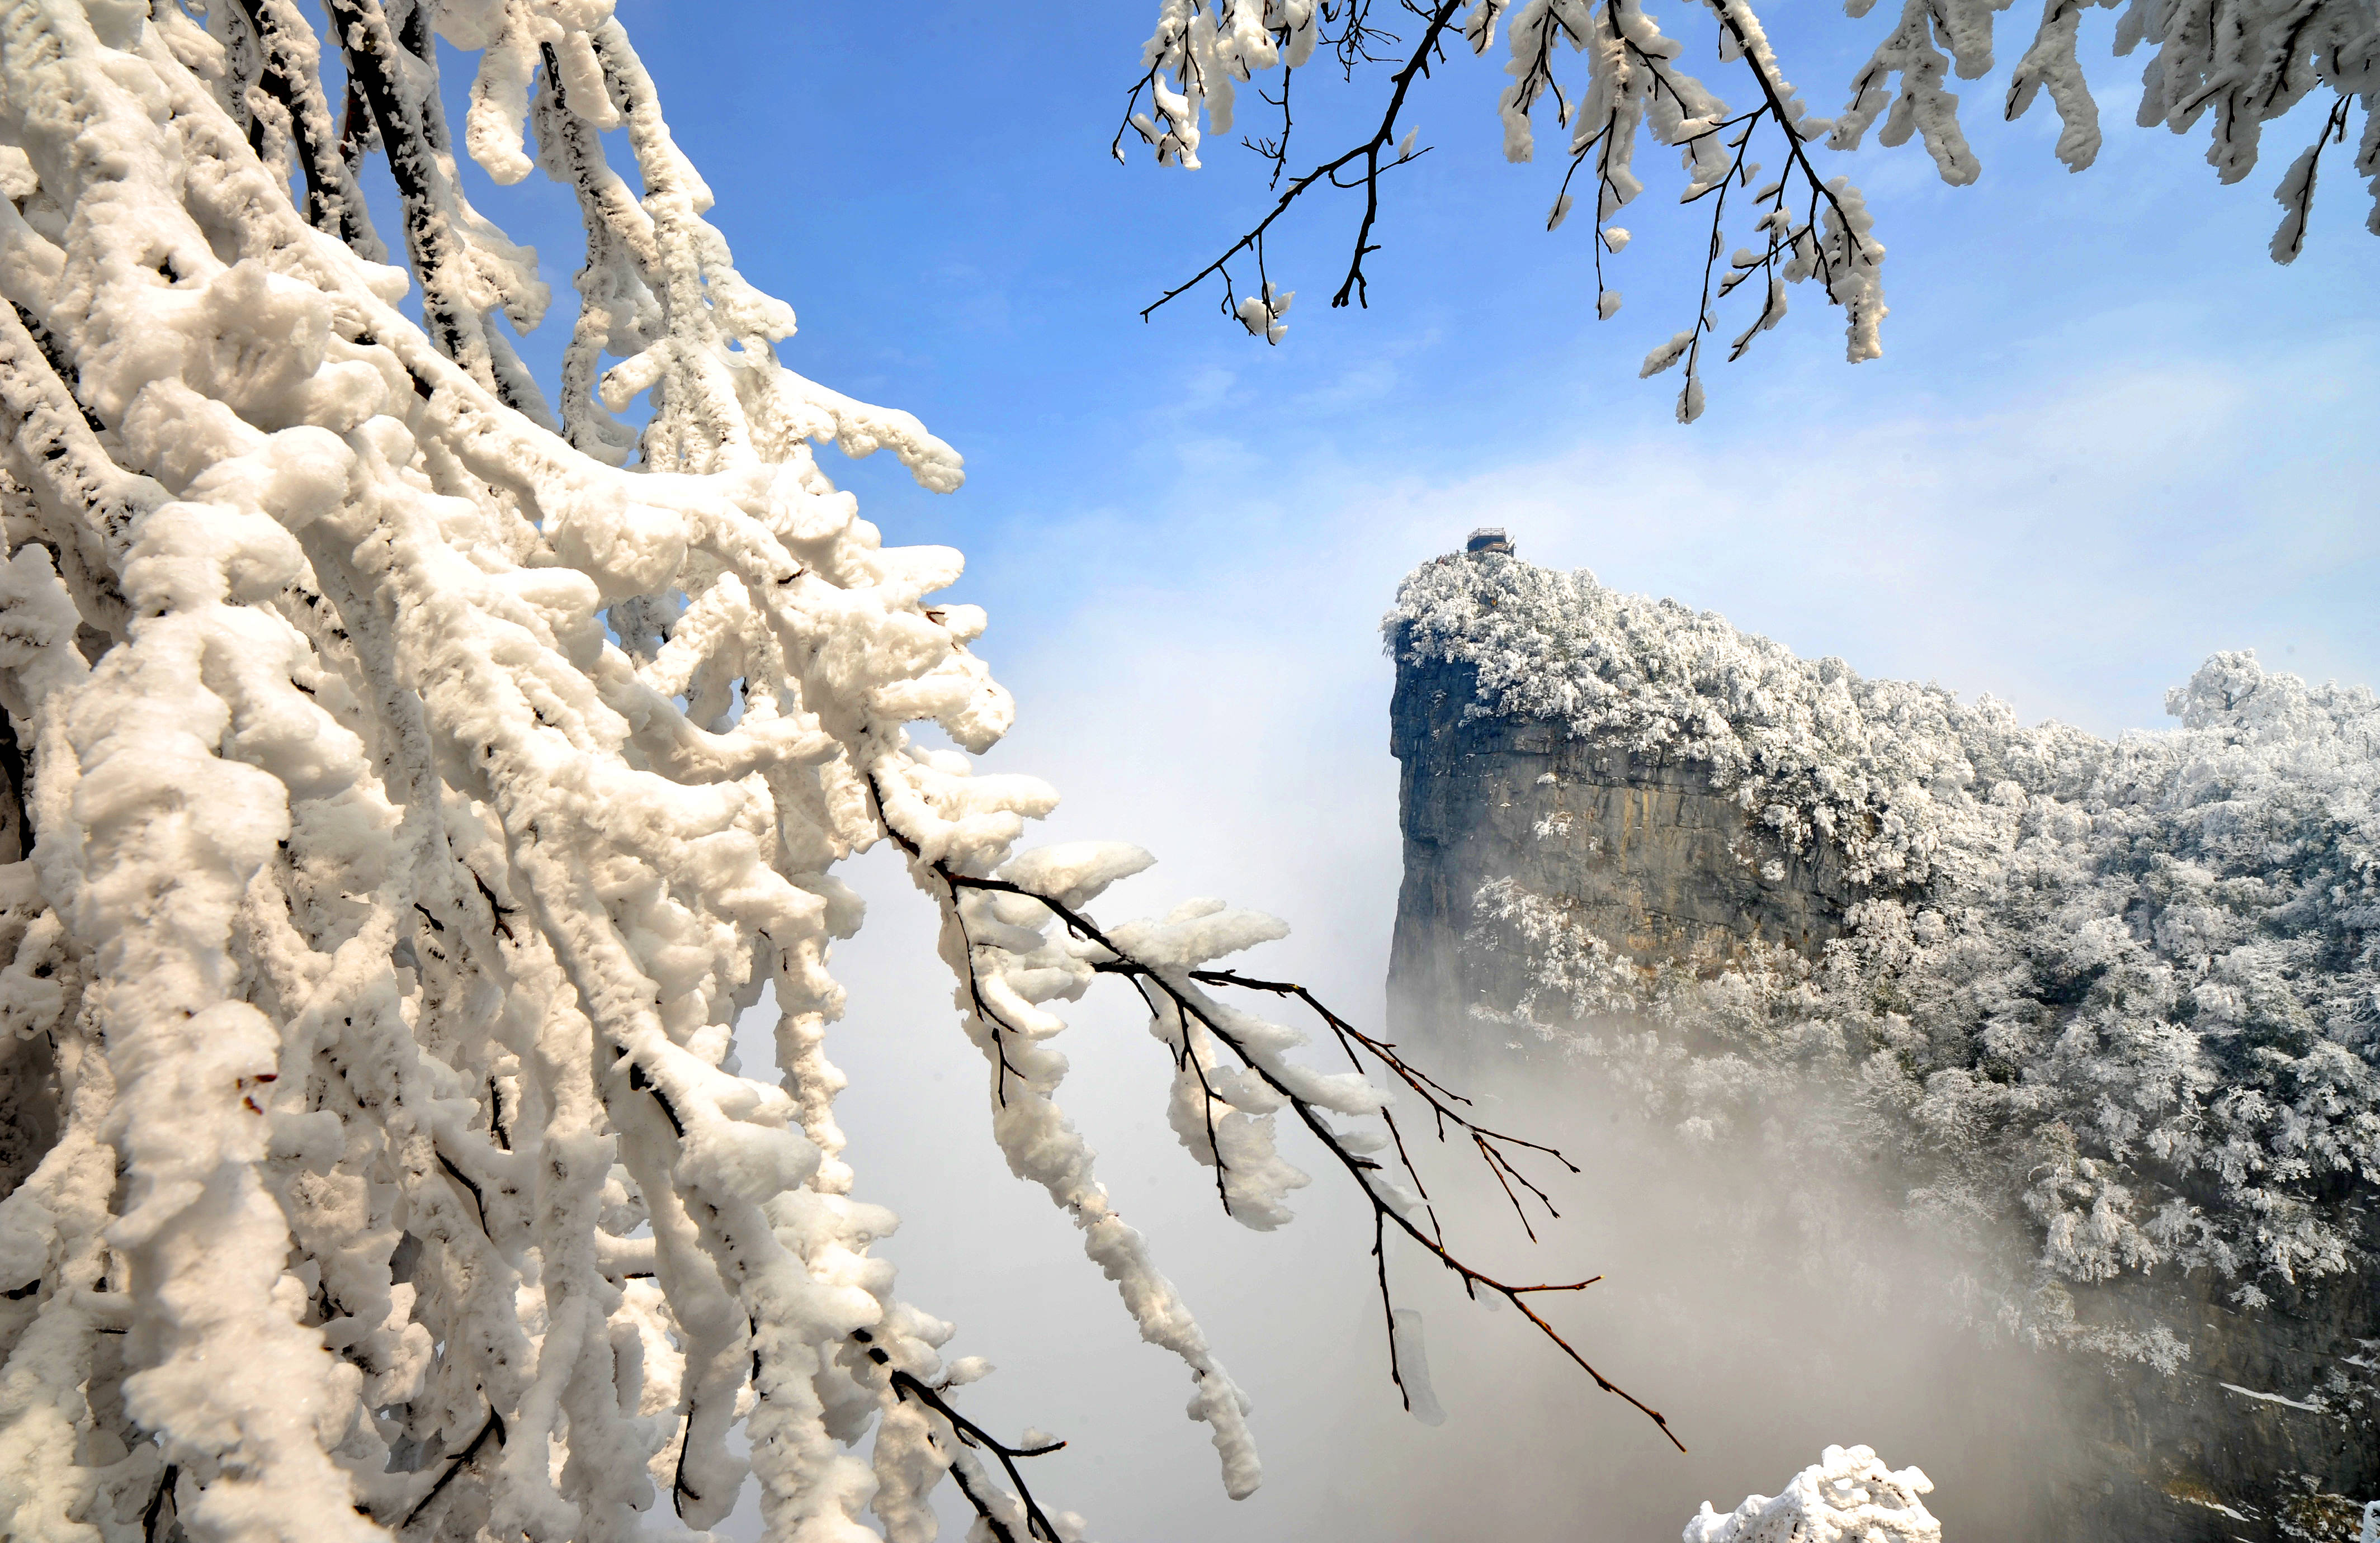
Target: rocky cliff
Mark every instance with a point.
(1638, 847)
(2127, 993)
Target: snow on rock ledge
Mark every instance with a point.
(1896, 777)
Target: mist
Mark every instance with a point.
(1219, 696)
(1762, 1339)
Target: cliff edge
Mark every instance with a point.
(2119, 998)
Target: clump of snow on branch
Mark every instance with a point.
(410, 780)
(2124, 991)
(1847, 1496)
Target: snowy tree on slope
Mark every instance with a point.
(2237, 65)
(406, 794)
(2125, 991)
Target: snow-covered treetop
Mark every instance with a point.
(1847, 1496)
(2129, 989)
(2235, 65)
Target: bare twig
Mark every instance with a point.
(1275, 150)
(455, 1464)
(156, 1510)
(478, 1199)
(1178, 990)
(1439, 14)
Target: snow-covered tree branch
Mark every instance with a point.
(411, 779)
(2239, 64)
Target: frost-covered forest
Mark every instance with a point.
(2129, 989)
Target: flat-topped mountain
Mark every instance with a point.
(2119, 998)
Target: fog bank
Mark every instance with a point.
(1715, 1306)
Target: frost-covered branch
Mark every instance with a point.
(1222, 1114)
(415, 778)
(2246, 64)
(1188, 45)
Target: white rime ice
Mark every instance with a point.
(2126, 993)
(414, 796)
(1847, 1496)
(2231, 66)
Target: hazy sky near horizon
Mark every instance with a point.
(2108, 435)
(2108, 438)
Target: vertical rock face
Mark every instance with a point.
(2125, 993)
(1639, 849)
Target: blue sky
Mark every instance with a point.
(2107, 435)
(2108, 438)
